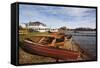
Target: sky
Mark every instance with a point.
(55, 16)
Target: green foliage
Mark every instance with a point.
(20, 28)
(63, 28)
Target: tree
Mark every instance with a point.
(62, 29)
(20, 27)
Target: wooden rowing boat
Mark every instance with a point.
(48, 50)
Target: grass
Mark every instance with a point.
(39, 33)
(30, 34)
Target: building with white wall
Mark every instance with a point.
(37, 26)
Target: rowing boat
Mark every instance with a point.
(38, 46)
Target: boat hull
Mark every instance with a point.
(45, 50)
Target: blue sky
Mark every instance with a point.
(55, 17)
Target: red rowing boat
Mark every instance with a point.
(49, 51)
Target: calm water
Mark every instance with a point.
(87, 40)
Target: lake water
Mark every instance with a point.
(86, 39)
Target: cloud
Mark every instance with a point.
(58, 16)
